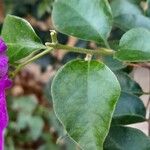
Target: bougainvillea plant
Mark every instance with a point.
(89, 97)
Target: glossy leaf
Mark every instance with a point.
(20, 38)
(134, 46)
(128, 14)
(84, 96)
(126, 138)
(83, 19)
(130, 109)
(128, 85)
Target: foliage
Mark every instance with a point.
(20, 41)
(92, 103)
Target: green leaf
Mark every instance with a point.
(127, 84)
(125, 7)
(83, 19)
(84, 96)
(29, 101)
(130, 109)
(20, 38)
(135, 1)
(128, 14)
(44, 7)
(148, 8)
(126, 22)
(134, 46)
(126, 138)
(63, 137)
(113, 64)
(22, 120)
(36, 125)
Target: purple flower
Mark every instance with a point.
(3, 46)
(4, 84)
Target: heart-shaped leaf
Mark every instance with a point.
(134, 46)
(130, 109)
(84, 96)
(83, 18)
(126, 138)
(20, 38)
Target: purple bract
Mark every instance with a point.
(4, 84)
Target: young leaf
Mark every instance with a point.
(134, 46)
(20, 38)
(126, 138)
(83, 18)
(130, 109)
(84, 96)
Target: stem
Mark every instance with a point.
(54, 36)
(88, 57)
(99, 51)
(146, 93)
(77, 147)
(31, 60)
(56, 45)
